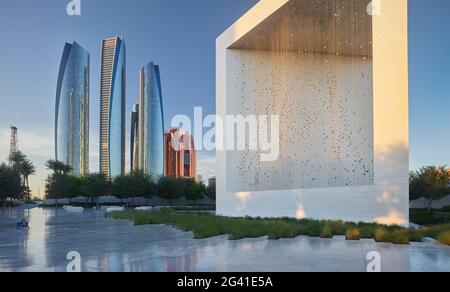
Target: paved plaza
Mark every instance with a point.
(114, 245)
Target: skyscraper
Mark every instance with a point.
(150, 139)
(134, 141)
(72, 109)
(180, 155)
(112, 107)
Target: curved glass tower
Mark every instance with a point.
(151, 122)
(112, 108)
(72, 109)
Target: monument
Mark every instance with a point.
(335, 72)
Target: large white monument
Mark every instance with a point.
(336, 74)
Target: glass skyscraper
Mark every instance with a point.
(112, 107)
(150, 130)
(72, 109)
(134, 141)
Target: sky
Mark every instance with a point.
(179, 35)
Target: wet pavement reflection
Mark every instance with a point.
(115, 245)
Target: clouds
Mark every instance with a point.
(34, 142)
(206, 164)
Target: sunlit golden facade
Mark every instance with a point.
(112, 107)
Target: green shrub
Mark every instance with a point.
(423, 217)
(204, 225)
(444, 238)
(382, 235)
(367, 230)
(415, 235)
(396, 236)
(353, 234)
(400, 237)
(327, 232)
(314, 229)
(337, 227)
(445, 209)
(434, 231)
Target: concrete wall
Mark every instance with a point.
(325, 107)
(344, 143)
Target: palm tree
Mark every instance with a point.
(16, 158)
(4, 180)
(10, 183)
(66, 169)
(27, 168)
(57, 183)
(58, 167)
(96, 185)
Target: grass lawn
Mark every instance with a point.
(204, 208)
(207, 225)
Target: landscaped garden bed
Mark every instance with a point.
(205, 225)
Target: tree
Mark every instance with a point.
(57, 187)
(211, 190)
(119, 187)
(75, 186)
(57, 184)
(416, 186)
(171, 188)
(27, 168)
(195, 190)
(430, 182)
(17, 160)
(10, 183)
(58, 167)
(134, 184)
(96, 185)
(151, 190)
(140, 185)
(436, 181)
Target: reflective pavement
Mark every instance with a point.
(114, 245)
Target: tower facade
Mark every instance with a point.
(14, 143)
(72, 109)
(150, 130)
(180, 155)
(134, 141)
(112, 107)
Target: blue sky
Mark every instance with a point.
(179, 35)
